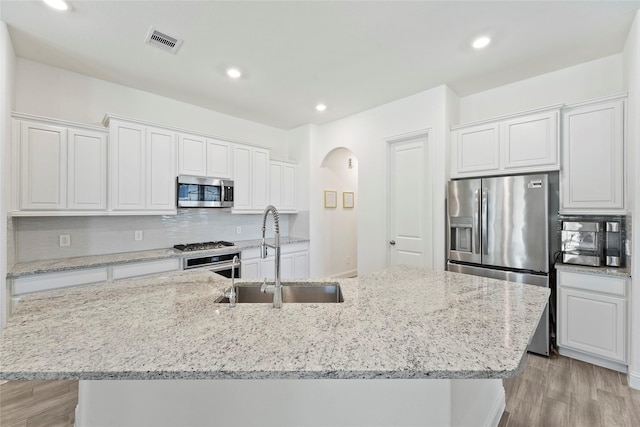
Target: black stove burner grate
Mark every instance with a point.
(202, 246)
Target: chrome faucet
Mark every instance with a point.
(232, 292)
(276, 288)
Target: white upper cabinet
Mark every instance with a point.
(476, 149)
(251, 179)
(218, 158)
(202, 156)
(531, 142)
(61, 168)
(192, 155)
(520, 143)
(282, 186)
(143, 168)
(592, 178)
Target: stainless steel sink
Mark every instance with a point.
(292, 292)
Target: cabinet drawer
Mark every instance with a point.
(593, 283)
(46, 282)
(143, 268)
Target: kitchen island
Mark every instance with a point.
(408, 346)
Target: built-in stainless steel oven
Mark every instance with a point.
(220, 263)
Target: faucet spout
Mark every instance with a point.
(277, 286)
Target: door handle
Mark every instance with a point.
(392, 242)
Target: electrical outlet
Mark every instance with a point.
(348, 260)
(238, 230)
(65, 240)
(137, 235)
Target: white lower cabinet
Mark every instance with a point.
(23, 285)
(294, 262)
(592, 318)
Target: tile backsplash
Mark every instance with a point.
(39, 237)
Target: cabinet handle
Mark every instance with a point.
(392, 242)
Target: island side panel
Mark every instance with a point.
(288, 402)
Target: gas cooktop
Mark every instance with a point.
(202, 246)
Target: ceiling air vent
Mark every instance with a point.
(163, 41)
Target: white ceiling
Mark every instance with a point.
(351, 55)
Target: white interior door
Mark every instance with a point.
(410, 208)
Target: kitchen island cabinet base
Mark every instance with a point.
(285, 402)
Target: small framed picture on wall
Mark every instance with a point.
(330, 199)
(347, 199)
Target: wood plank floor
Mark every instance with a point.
(559, 391)
(38, 403)
(555, 391)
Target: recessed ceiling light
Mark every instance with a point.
(481, 42)
(57, 4)
(321, 107)
(234, 73)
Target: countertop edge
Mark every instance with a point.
(94, 261)
(604, 271)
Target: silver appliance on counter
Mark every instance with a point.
(503, 228)
(220, 262)
(204, 192)
(593, 243)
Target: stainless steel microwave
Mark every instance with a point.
(202, 192)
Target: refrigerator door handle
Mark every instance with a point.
(477, 224)
(485, 221)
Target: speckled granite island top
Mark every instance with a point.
(402, 322)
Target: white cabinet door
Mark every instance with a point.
(251, 179)
(43, 164)
(592, 323)
(242, 178)
(143, 169)
(250, 269)
(128, 164)
(531, 142)
(218, 159)
(276, 173)
(282, 186)
(301, 265)
(260, 179)
(593, 158)
(161, 170)
(475, 148)
(87, 170)
(192, 155)
(289, 187)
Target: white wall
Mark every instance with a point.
(52, 92)
(7, 76)
(632, 81)
(340, 225)
(594, 79)
(365, 134)
(299, 140)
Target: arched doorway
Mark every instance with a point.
(339, 174)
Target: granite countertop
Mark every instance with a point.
(402, 322)
(64, 264)
(604, 270)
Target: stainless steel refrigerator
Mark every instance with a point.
(505, 228)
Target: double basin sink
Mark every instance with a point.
(292, 292)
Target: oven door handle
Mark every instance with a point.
(220, 267)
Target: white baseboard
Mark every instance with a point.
(594, 360)
(634, 380)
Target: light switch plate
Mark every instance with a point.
(238, 230)
(137, 235)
